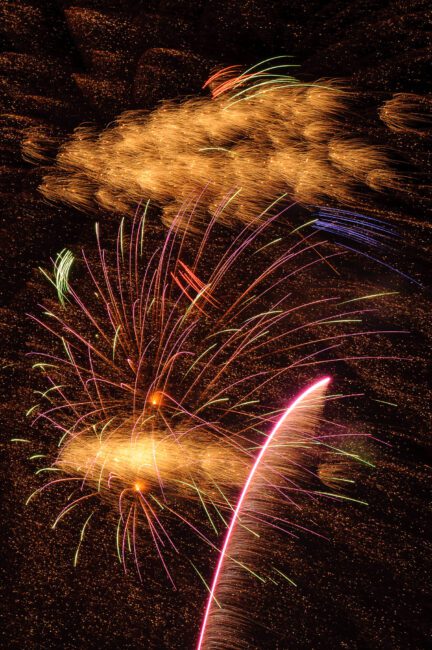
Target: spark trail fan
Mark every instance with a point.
(167, 368)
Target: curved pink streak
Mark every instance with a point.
(242, 497)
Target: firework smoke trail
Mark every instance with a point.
(168, 367)
(294, 428)
(259, 124)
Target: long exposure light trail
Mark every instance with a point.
(314, 388)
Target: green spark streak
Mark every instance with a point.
(275, 241)
(346, 453)
(252, 401)
(101, 473)
(275, 412)
(344, 498)
(264, 313)
(150, 305)
(231, 198)
(230, 329)
(47, 469)
(67, 349)
(199, 358)
(279, 198)
(219, 512)
(272, 58)
(223, 495)
(245, 76)
(290, 81)
(37, 456)
(239, 523)
(381, 401)
(284, 576)
(121, 238)
(205, 584)
(274, 78)
(31, 497)
(369, 296)
(45, 274)
(143, 219)
(115, 341)
(248, 569)
(308, 223)
(38, 392)
(206, 509)
(104, 427)
(156, 501)
(118, 540)
(296, 445)
(66, 433)
(266, 74)
(147, 419)
(44, 365)
(215, 149)
(62, 514)
(20, 440)
(258, 336)
(214, 401)
(62, 267)
(198, 491)
(249, 530)
(75, 562)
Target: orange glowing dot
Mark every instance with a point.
(155, 399)
(138, 486)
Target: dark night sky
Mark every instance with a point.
(65, 63)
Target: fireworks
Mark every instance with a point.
(222, 447)
(167, 369)
(263, 132)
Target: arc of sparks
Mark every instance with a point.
(317, 388)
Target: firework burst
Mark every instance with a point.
(167, 369)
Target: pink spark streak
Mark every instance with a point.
(291, 407)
